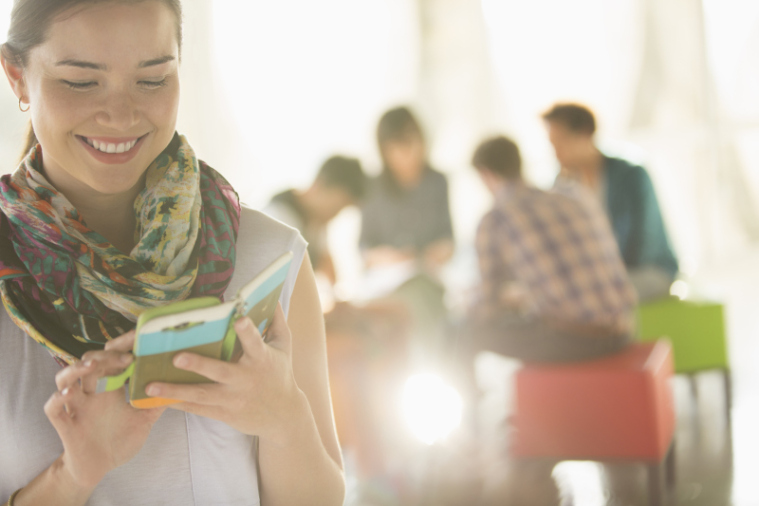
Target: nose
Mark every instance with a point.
(118, 112)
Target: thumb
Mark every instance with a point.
(123, 343)
(249, 337)
(279, 335)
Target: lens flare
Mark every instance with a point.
(431, 408)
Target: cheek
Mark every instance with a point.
(55, 110)
(162, 109)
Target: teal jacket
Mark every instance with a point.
(636, 218)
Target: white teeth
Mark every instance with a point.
(111, 148)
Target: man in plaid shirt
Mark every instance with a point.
(554, 287)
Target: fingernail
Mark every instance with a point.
(243, 323)
(87, 363)
(153, 390)
(126, 359)
(181, 361)
(65, 391)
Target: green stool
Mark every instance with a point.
(697, 333)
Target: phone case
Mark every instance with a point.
(202, 325)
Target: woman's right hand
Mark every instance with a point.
(100, 432)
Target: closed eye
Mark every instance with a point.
(153, 84)
(79, 85)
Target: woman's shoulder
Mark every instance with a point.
(258, 222)
(261, 240)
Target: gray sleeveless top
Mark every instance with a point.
(187, 459)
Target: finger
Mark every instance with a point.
(207, 394)
(70, 375)
(216, 370)
(56, 412)
(279, 336)
(124, 342)
(93, 365)
(73, 399)
(250, 338)
(107, 363)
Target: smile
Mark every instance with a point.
(111, 147)
(112, 150)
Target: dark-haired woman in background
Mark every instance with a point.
(110, 213)
(406, 220)
(406, 214)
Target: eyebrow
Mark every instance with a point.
(156, 61)
(99, 66)
(81, 64)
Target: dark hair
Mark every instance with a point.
(577, 118)
(30, 20)
(499, 155)
(344, 173)
(397, 125)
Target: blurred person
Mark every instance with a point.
(627, 194)
(108, 214)
(553, 289)
(553, 286)
(340, 183)
(406, 215)
(406, 232)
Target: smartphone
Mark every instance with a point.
(202, 325)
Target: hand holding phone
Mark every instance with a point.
(204, 326)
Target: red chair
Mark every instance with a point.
(617, 408)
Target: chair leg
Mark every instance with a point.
(728, 396)
(670, 469)
(693, 383)
(656, 489)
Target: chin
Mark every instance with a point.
(114, 186)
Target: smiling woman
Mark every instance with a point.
(109, 214)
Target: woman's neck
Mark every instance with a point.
(110, 215)
(113, 218)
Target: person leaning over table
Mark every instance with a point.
(110, 213)
(406, 213)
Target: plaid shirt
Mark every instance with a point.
(552, 255)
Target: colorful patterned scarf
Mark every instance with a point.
(71, 290)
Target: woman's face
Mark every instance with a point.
(405, 158)
(103, 90)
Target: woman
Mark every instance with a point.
(406, 215)
(111, 214)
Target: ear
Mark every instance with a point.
(15, 75)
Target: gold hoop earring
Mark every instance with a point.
(20, 108)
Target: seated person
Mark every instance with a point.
(406, 215)
(554, 287)
(340, 183)
(626, 192)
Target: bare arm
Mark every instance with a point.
(99, 432)
(54, 485)
(278, 391)
(309, 469)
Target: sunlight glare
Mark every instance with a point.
(431, 408)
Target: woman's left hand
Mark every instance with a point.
(257, 395)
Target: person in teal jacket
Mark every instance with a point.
(627, 193)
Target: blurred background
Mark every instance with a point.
(271, 89)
